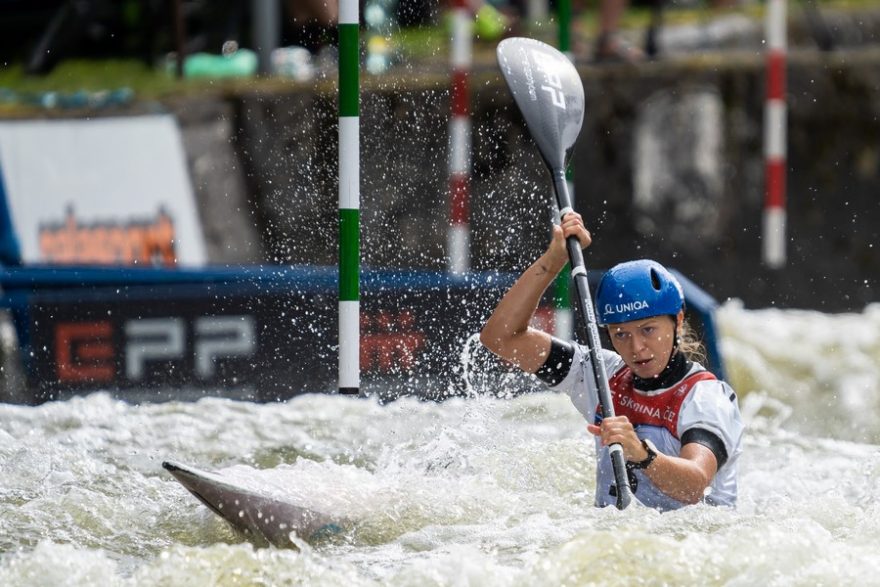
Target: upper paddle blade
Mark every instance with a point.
(548, 92)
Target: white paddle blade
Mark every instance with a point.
(549, 93)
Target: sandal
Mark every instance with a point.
(610, 48)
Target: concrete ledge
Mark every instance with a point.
(703, 114)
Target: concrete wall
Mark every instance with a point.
(668, 165)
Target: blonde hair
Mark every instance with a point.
(689, 344)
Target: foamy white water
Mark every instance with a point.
(824, 368)
(466, 492)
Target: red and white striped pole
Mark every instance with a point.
(775, 137)
(459, 237)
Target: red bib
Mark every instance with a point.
(653, 410)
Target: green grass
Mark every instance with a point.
(423, 43)
(21, 93)
(92, 75)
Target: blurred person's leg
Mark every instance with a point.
(609, 46)
(312, 22)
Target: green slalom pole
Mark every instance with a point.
(563, 10)
(349, 198)
(563, 315)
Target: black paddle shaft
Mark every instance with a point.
(590, 333)
(550, 95)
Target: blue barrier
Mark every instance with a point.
(703, 305)
(262, 333)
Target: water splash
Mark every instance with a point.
(485, 374)
(481, 490)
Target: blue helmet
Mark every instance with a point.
(636, 290)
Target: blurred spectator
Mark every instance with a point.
(490, 23)
(313, 22)
(610, 47)
(493, 19)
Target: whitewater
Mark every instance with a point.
(480, 490)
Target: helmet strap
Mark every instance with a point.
(676, 344)
(676, 341)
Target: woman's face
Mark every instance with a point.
(644, 345)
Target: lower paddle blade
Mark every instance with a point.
(549, 93)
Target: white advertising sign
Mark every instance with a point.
(109, 191)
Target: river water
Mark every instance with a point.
(479, 491)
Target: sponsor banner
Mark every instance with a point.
(232, 342)
(263, 333)
(110, 191)
(165, 342)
